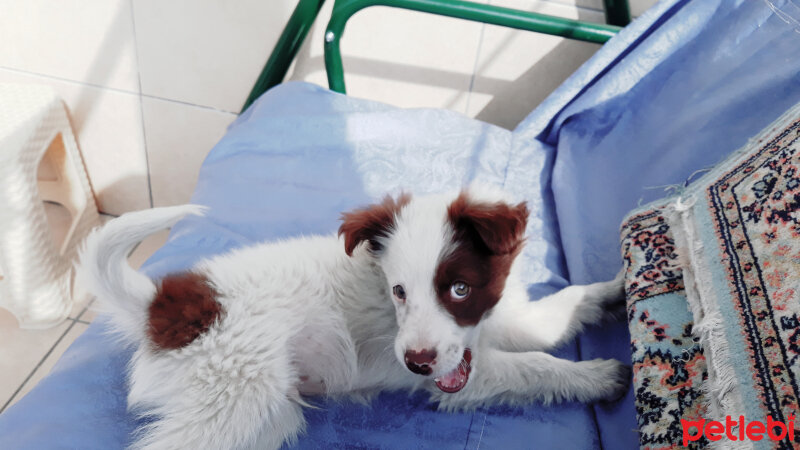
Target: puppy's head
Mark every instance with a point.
(446, 259)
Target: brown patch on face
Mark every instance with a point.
(370, 223)
(488, 237)
(185, 306)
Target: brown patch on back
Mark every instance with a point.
(185, 306)
(488, 237)
(370, 223)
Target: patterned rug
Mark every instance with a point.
(713, 289)
(668, 363)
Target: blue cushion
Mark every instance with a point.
(693, 90)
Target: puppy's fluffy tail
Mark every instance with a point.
(103, 270)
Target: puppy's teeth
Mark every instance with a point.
(436, 380)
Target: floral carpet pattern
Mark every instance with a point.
(668, 364)
(756, 215)
(713, 289)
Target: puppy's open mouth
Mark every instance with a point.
(456, 379)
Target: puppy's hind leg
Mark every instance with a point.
(255, 420)
(547, 323)
(226, 397)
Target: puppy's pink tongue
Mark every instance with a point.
(456, 379)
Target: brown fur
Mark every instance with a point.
(499, 226)
(185, 306)
(488, 238)
(370, 223)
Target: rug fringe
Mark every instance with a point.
(719, 387)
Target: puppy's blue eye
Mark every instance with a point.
(399, 292)
(459, 291)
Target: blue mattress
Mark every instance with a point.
(681, 87)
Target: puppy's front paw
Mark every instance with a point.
(612, 298)
(613, 379)
(616, 311)
(616, 287)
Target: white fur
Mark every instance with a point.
(302, 307)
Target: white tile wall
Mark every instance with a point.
(178, 137)
(151, 84)
(516, 69)
(90, 41)
(205, 52)
(413, 59)
(404, 58)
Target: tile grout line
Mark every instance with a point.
(181, 102)
(116, 90)
(141, 106)
(475, 64)
(83, 311)
(38, 365)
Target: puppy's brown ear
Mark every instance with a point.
(370, 223)
(498, 225)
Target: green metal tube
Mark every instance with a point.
(495, 15)
(292, 37)
(617, 12)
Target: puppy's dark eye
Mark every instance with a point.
(399, 292)
(459, 291)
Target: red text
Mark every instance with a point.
(737, 430)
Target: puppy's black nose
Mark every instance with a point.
(420, 361)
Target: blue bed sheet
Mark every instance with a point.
(690, 90)
(677, 90)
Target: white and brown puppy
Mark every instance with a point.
(225, 352)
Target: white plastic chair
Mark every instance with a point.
(35, 271)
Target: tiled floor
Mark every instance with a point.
(26, 356)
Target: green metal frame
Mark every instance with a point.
(306, 12)
(289, 42)
(617, 12)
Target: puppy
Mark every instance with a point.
(413, 293)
